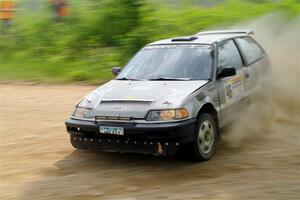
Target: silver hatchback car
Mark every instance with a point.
(173, 93)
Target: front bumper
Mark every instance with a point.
(148, 138)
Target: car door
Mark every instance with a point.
(255, 61)
(231, 89)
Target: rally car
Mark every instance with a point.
(173, 93)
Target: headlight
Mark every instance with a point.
(84, 103)
(84, 113)
(166, 115)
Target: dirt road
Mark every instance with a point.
(38, 162)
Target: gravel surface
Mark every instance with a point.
(38, 162)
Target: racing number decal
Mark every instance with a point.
(234, 89)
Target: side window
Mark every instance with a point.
(229, 55)
(250, 49)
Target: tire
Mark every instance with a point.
(206, 137)
(75, 143)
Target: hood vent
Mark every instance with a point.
(127, 101)
(184, 39)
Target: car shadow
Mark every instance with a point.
(89, 175)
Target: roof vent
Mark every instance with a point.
(184, 39)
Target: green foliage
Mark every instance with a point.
(101, 34)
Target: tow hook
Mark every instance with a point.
(159, 149)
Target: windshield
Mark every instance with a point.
(170, 62)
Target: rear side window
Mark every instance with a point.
(229, 55)
(250, 49)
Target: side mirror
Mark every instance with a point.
(226, 71)
(116, 70)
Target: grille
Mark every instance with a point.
(113, 118)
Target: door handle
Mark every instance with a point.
(247, 75)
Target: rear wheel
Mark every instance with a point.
(206, 137)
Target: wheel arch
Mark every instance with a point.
(210, 109)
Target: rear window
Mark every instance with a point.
(250, 49)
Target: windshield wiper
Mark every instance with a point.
(129, 79)
(169, 79)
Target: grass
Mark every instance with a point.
(101, 34)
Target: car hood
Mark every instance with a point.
(136, 98)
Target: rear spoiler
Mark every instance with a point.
(226, 32)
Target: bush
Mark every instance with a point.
(102, 34)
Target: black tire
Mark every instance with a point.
(204, 150)
(75, 143)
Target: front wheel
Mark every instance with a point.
(206, 137)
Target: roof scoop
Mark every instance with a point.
(184, 39)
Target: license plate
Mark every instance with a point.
(112, 130)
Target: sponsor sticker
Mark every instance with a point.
(234, 89)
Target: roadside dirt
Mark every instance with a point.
(38, 162)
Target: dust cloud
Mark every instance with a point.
(280, 99)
